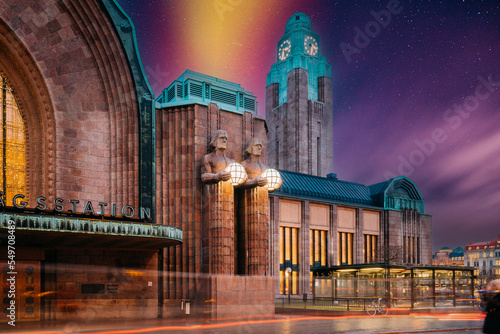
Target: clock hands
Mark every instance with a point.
(284, 50)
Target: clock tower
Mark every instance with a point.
(299, 102)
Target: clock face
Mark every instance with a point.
(311, 46)
(284, 49)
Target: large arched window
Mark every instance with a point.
(12, 144)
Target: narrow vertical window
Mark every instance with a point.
(318, 248)
(277, 148)
(318, 158)
(345, 248)
(370, 248)
(289, 255)
(318, 148)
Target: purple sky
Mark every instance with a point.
(420, 99)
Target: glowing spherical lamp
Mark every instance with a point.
(238, 174)
(274, 180)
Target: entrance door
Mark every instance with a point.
(23, 286)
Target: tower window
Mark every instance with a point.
(297, 17)
(12, 144)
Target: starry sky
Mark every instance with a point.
(419, 97)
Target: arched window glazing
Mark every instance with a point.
(12, 144)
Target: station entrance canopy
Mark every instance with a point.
(42, 230)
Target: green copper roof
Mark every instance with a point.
(397, 193)
(323, 188)
(393, 194)
(192, 87)
(298, 21)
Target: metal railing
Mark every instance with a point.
(361, 304)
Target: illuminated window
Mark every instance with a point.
(318, 248)
(13, 144)
(289, 257)
(370, 248)
(345, 248)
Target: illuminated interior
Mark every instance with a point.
(318, 251)
(318, 248)
(370, 248)
(289, 254)
(345, 248)
(13, 144)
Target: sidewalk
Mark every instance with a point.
(355, 322)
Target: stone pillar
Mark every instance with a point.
(305, 248)
(218, 230)
(359, 243)
(333, 236)
(253, 241)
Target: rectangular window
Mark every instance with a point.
(289, 265)
(318, 248)
(318, 150)
(345, 248)
(404, 249)
(276, 133)
(418, 250)
(370, 248)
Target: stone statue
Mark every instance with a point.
(218, 220)
(214, 163)
(253, 166)
(253, 225)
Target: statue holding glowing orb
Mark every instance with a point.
(253, 223)
(219, 174)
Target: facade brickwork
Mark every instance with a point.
(218, 229)
(359, 236)
(426, 238)
(333, 236)
(253, 232)
(393, 235)
(88, 130)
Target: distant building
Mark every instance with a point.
(485, 257)
(447, 257)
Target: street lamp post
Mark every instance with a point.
(288, 272)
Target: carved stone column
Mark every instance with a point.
(218, 230)
(253, 243)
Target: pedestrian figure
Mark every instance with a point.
(492, 320)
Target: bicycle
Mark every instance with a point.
(376, 307)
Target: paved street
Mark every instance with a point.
(417, 323)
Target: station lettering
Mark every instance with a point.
(59, 206)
